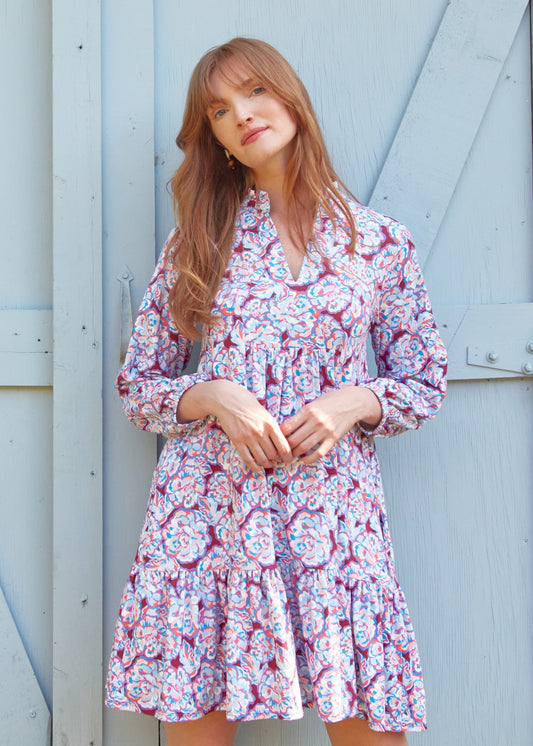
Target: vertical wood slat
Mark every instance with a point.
(443, 115)
(128, 246)
(77, 481)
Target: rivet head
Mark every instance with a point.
(529, 346)
(492, 356)
(527, 368)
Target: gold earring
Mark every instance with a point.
(231, 162)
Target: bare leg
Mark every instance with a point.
(210, 730)
(355, 732)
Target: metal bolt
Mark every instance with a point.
(529, 346)
(492, 356)
(527, 368)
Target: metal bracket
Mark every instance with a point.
(126, 316)
(472, 332)
(516, 356)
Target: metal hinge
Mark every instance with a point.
(516, 356)
(487, 341)
(126, 315)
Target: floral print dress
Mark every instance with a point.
(262, 593)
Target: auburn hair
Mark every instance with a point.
(207, 193)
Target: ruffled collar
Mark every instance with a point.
(257, 199)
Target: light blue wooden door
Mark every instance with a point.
(458, 173)
(25, 375)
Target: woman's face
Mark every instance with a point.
(251, 123)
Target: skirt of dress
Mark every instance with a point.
(274, 596)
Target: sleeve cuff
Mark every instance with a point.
(171, 428)
(378, 387)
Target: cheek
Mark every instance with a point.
(220, 134)
(289, 124)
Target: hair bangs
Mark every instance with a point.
(243, 59)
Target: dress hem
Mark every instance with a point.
(418, 728)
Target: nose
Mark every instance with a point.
(243, 115)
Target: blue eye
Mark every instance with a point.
(258, 90)
(219, 113)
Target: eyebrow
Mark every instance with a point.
(217, 101)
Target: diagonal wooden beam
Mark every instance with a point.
(444, 113)
(25, 714)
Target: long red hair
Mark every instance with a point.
(207, 194)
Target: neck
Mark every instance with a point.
(271, 180)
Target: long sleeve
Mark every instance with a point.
(149, 382)
(411, 358)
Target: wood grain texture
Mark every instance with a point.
(26, 525)
(482, 254)
(26, 154)
(128, 244)
(77, 524)
(26, 348)
(459, 500)
(26, 422)
(444, 113)
(471, 333)
(25, 715)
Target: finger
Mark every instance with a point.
(259, 456)
(280, 444)
(306, 436)
(290, 425)
(311, 457)
(273, 444)
(307, 445)
(266, 445)
(248, 459)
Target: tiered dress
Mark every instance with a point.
(262, 593)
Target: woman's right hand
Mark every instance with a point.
(253, 431)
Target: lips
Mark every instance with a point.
(252, 135)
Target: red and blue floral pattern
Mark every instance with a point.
(260, 594)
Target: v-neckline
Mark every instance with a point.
(275, 253)
(283, 257)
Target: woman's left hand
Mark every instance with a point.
(317, 426)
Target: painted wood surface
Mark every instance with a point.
(25, 714)
(444, 113)
(77, 384)
(459, 490)
(128, 247)
(26, 348)
(25, 563)
(26, 421)
(487, 340)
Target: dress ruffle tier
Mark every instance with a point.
(238, 640)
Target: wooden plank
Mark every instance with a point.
(25, 347)
(25, 715)
(442, 118)
(503, 328)
(128, 247)
(77, 480)
(460, 514)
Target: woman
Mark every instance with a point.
(264, 579)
